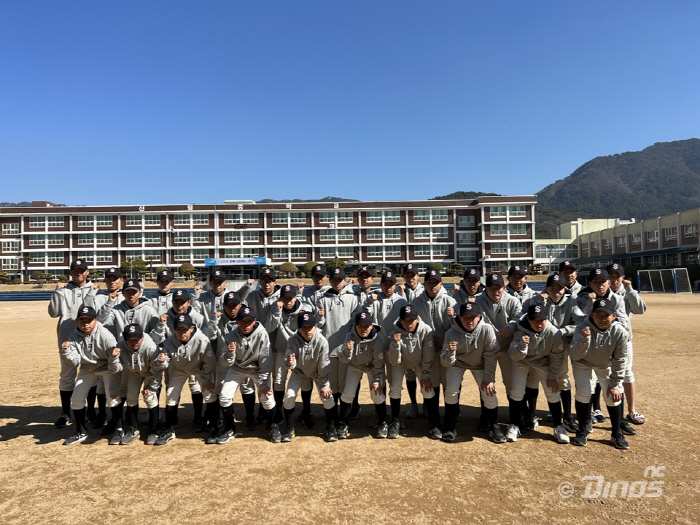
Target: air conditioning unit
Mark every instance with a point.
(331, 225)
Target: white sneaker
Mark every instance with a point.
(512, 434)
(560, 435)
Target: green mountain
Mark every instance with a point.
(464, 195)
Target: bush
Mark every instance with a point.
(187, 270)
(17, 281)
(289, 268)
(309, 266)
(435, 266)
(335, 263)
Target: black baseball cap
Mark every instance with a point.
(615, 268)
(217, 275)
(472, 272)
(183, 320)
(517, 269)
(363, 318)
(555, 278)
(86, 311)
(432, 274)
(318, 269)
(566, 264)
(231, 297)
(245, 313)
(288, 291)
(536, 311)
(132, 331)
(410, 268)
(78, 263)
(305, 319)
(116, 272)
(470, 308)
(131, 284)
(605, 305)
(494, 278)
(337, 272)
(598, 273)
(388, 276)
(181, 294)
(268, 272)
(408, 312)
(364, 269)
(165, 275)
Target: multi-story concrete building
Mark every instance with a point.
(491, 232)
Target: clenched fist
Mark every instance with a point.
(232, 347)
(116, 352)
(526, 339)
(350, 345)
(450, 311)
(164, 318)
(397, 338)
(452, 346)
(586, 331)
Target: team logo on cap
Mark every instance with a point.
(408, 309)
(615, 266)
(181, 318)
(516, 268)
(306, 317)
(246, 311)
(597, 271)
(85, 310)
(78, 262)
(388, 274)
(469, 306)
(363, 315)
(230, 295)
(179, 292)
(337, 270)
(602, 303)
(555, 278)
(132, 329)
(566, 263)
(538, 309)
(472, 271)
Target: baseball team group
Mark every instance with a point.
(119, 349)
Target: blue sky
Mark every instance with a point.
(181, 101)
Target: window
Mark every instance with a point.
(86, 221)
(327, 235)
(327, 253)
(104, 238)
(392, 233)
(36, 240)
(200, 255)
(653, 260)
(653, 236)
(392, 251)
(635, 239)
(36, 257)
(671, 233)
(250, 252)
(690, 230)
(85, 238)
(374, 234)
(182, 220)
(280, 236)
(56, 239)
(607, 244)
(466, 238)
(497, 211)
(298, 253)
(182, 255)
(373, 216)
(375, 251)
(54, 257)
(279, 218)
(620, 241)
(345, 216)
(392, 216)
(692, 258)
(249, 218)
(89, 257)
(421, 233)
(518, 247)
(441, 250)
(498, 229)
(499, 247)
(200, 237)
(421, 250)
(10, 246)
(298, 235)
(134, 220)
(104, 220)
(182, 238)
(10, 229)
(466, 257)
(231, 237)
(517, 229)
(37, 222)
(672, 259)
(516, 211)
(10, 264)
(156, 254)
(297, 218)
(152, 238)
(232, 252)
(55, 222)
(439, 215)
(440, 233)
(595, 245)
(421, 215)
(133, 238)
(345, 235)
(103, 256)
(251, 236)
(281, 254)
(151, 220)
(200, 218)
(466, 221)
(232, 218)
(326, 216)
(584, 246)
(345, 252)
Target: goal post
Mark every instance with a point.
(673, 280)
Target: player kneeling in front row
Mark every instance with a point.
(599, 349)
(537, 349)
(189, 353)
(248, 356)
(90, 345)
(363, 352)
(138, 360)
(471, 345)
(307, 358)
(412, 349)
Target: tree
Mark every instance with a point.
(150, 259)
(134, 266)
(25, 260)
(309, 266)
(187, 270)
(457, 267)
(434, 266)
(289, 268)
(96, 274)
(3, 277)
(335, 263)
(161, 268)
(35, 275)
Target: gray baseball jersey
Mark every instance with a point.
(415, 350)
(476, 350)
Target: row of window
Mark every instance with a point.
(504, 229)
(690, 230)
(506, 211)
(502, 247)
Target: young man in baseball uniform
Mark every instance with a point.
(90, 347)
(599, 351)
(65, 301)
(307, 359)
(517, 285)
(469, 288)
(311, 294)
(162, 302)
(569, 272)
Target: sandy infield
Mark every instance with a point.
(360, 480)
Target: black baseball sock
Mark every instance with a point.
(306, 401)
(153, 417)
(555, 410)
(270, 417)
(279, 410)
(531, 395)
(515, 412)
(90, 411)
(345, 409)
(356, 401)
(583, 413)
(289, 418)
(380, 408)
(117, 415)
(65, 401)
(127, 417)
(395, 408)
(450, 416)
(249, 404)
(433, 406)
(197, 404)
(336, 397)
(615, 413)
(331, 416)
(79, 417)
(211, 414)
(101, 407)
(491, 416)
(595, 398)
(229, 423)
(566, 403)
(170, 418)
(412, 387)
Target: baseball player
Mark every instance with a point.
(188, 352)
(633, 305)
(248, 357)
(363, 354)
(210, 303)
(517, 286)
(469, 288)
(599, 350)
(311, 294)
(307, 359)
(64, 304)
(411, 347)
(569, 272)
(537, 349)
(89, 346)
(162, 302)
(137, 356)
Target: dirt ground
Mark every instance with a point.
(360, 480)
